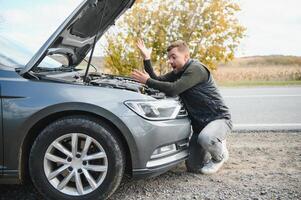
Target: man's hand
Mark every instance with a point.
(146, 52)
(140, 76)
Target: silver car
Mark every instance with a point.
(75, 133)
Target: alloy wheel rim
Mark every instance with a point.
(75, 164)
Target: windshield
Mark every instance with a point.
(13, 54)
(23, 29)
(16, 55)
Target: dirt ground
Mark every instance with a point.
(261, 166)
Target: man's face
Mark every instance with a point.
(177, 59)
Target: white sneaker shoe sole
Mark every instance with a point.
(226, 152)
(212, 167)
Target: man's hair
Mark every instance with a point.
(180, 44)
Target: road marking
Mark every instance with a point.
(267, 125)
(262, 96)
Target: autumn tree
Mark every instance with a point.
(210, 28)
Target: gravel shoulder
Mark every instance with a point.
(261, 166)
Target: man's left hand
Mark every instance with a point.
(140, 76)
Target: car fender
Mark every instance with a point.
(78, 107)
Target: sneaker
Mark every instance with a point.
(225, 151)
(212, 167)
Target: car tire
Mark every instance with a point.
(62, 167)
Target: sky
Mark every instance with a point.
(33, 21)
(273, 26)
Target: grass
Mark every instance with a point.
(260, 71)
(275, 70)
(258, 83)
(258, 76)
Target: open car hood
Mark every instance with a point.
(75, 36)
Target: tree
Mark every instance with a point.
(210, 28)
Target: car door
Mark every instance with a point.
(1, 136)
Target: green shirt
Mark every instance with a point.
(174, 83)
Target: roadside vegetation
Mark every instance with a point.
(245, 71)
(210, 28)
(260, 70)
(212, 32)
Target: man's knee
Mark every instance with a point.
(205, 140)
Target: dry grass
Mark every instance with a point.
(255, 70)
(257, 61)
(264, 73)
(260, 69)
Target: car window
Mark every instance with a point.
(26, 25)
(15, 55)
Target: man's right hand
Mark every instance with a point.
(146, 52)
(140, 76)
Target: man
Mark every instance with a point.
(210, 117)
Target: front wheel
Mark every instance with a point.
(76, 158)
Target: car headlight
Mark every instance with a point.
(155, 110)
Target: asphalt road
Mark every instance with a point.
(264, 108)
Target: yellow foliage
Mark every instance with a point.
(210, 28)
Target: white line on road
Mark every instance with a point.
(262, 96)
(268, 125)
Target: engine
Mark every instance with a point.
(122, 82)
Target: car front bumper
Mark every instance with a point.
(163, 165)
(151, 135)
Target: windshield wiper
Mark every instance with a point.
(63, 68)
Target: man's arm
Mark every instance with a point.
(146, 54)
(192, 76)
(170, 77)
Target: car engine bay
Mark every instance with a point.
(122, 82)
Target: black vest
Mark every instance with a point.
(203, 102)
